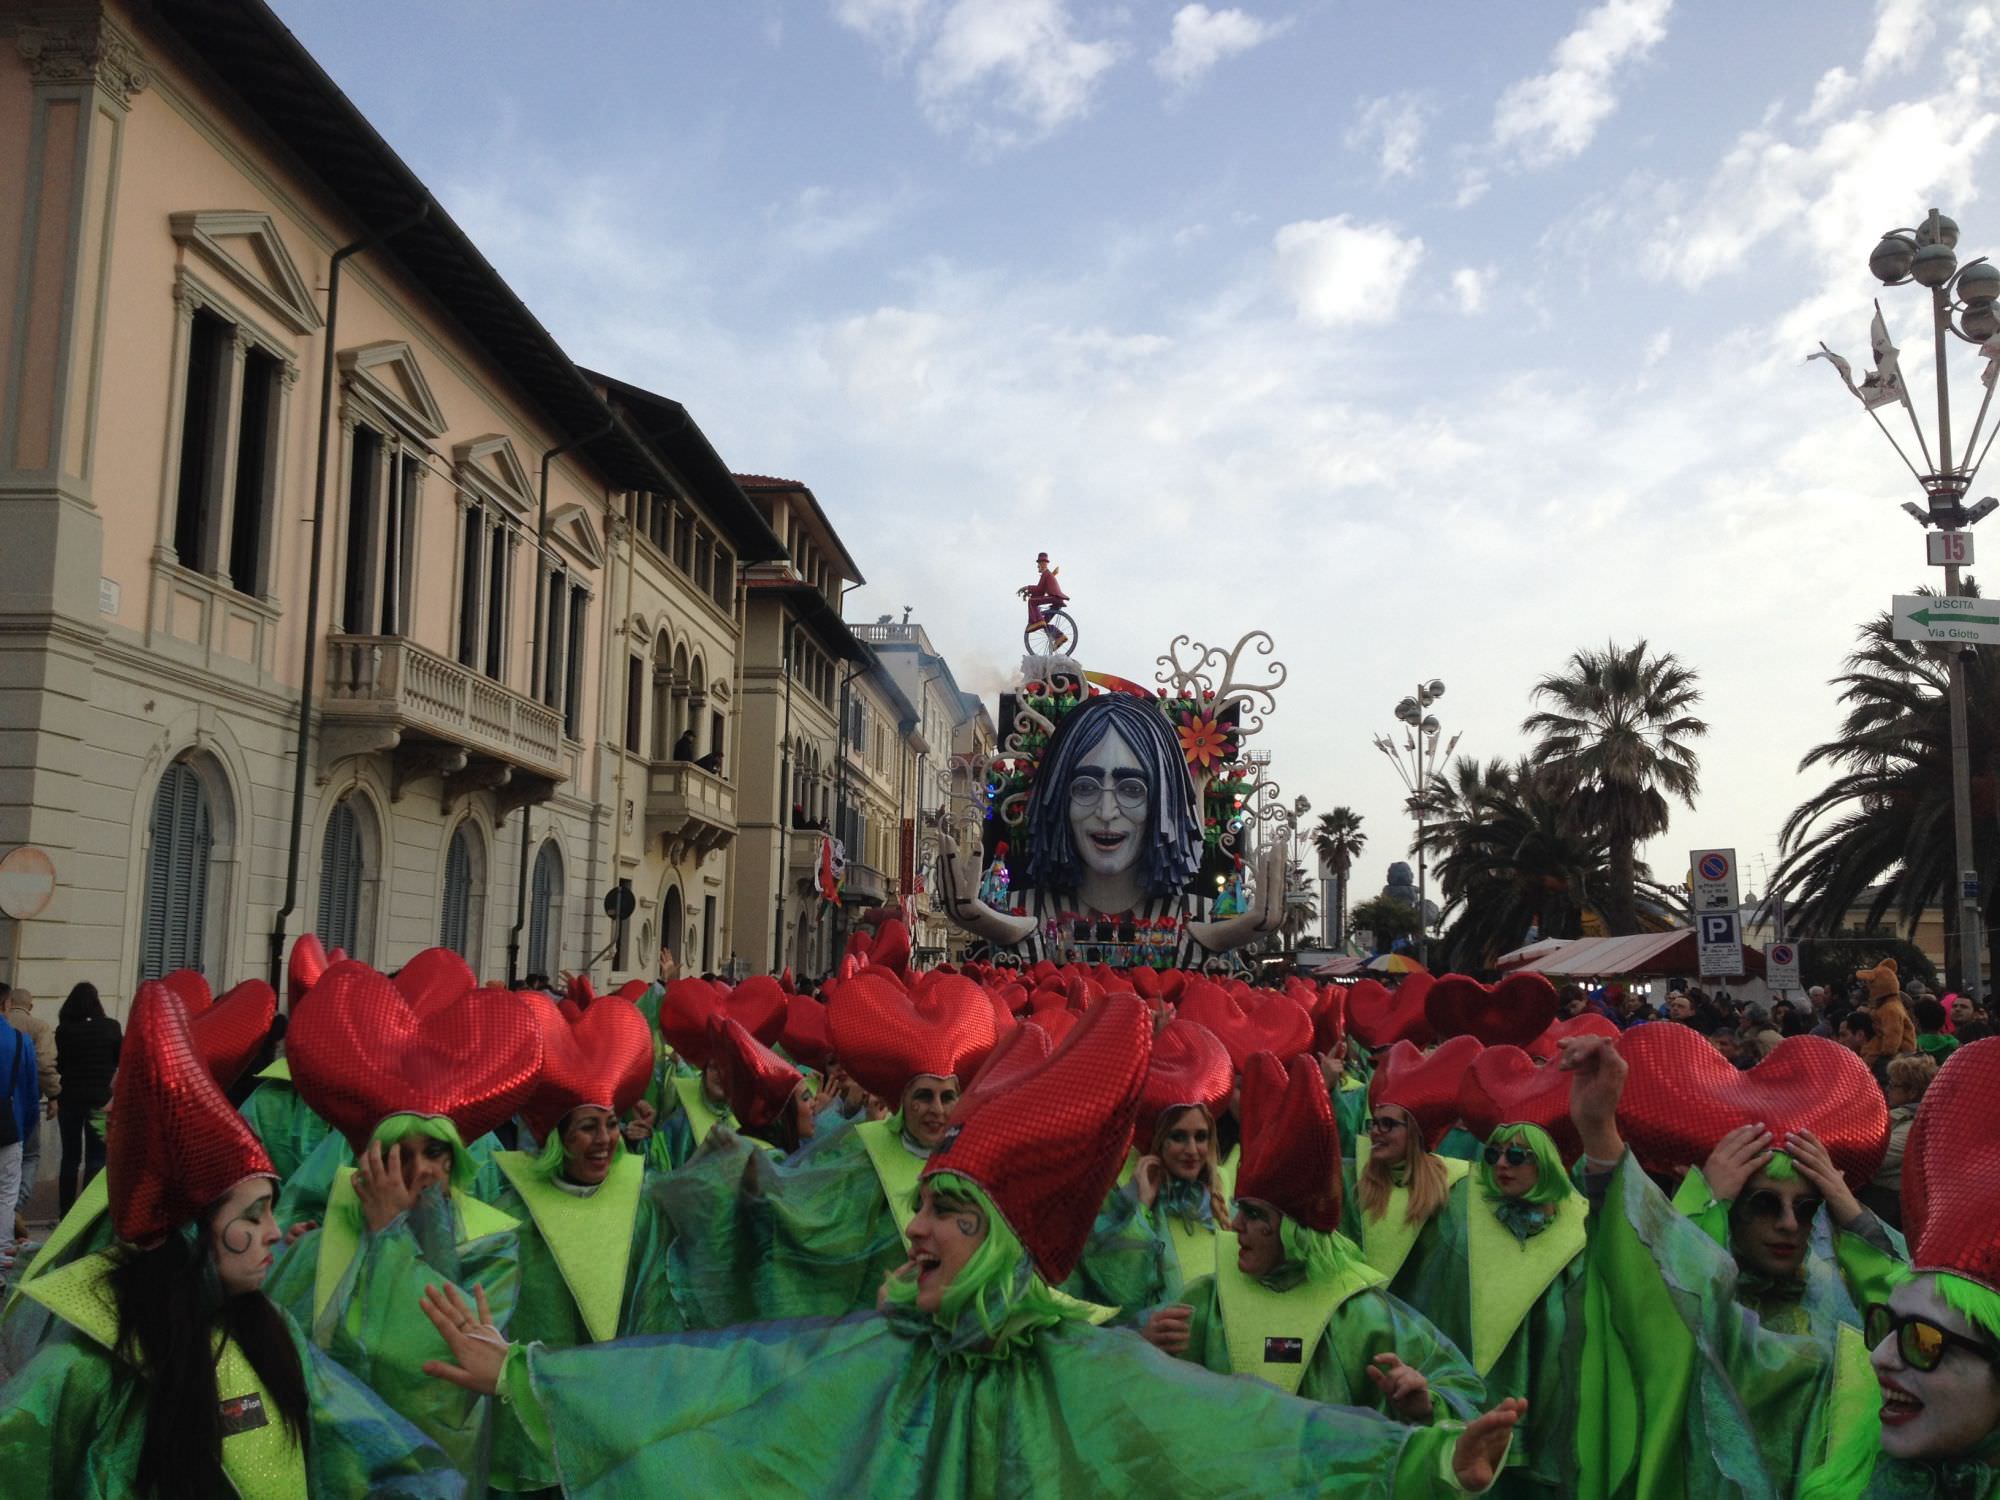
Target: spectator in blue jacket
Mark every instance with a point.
(21, 1093)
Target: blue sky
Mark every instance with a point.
(1437, 339)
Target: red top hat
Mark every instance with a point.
(231, 1032)
(1047, 1150)
(601, 1056)
(1291, 1149)
(1276, 1023)
(1505, 1087)
(884, 1035)
(1951, 1170)
(360, 1053)
(1682, 1096)
(1190, 1066)
(177, 1146)
(1511, 1013)
(757, 1082)
(1426, 1084)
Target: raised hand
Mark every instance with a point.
(1167, 1330)
(1735, 1159)
(1404, 1389)
(1594, 1094)
(640, 1127)
(478, 1349)
(1146, 1180)
(299, 1230)
(1482, 1447)
(382, 1181)
(1815, 1164)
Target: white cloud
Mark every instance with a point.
(1203, 37)
(1903, 28)
(1657, 347)
(1393, 127)
(1554, 115)
(1470, 285)
(1004, 71)
(819, 220)
(1473, 184)
(1337, 271)
(1835, 87)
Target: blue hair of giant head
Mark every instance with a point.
(1171, 846)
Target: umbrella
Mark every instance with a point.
(1395, 963)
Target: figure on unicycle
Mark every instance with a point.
(1046, 615)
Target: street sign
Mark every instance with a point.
(1948, 549)
(1719, 935)
(1713, 882)
(1955, 620)
(27, 881)
(1781, 967)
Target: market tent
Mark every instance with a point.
(1341, 966)
(1509, 961)
(1643, 955)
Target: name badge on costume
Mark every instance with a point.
(243, 1414)
(1284, 1351)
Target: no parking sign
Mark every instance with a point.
(1781, 967)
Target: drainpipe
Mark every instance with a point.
(535, 667)
(785, 829)
(302, 743)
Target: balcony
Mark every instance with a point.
(691, 810)
(802, 852)
(436, 718)
(864, 886)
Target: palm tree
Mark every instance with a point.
(1882, 829)
(1339, 841)
(1618, 728)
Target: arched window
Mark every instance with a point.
(175, 922)
(464, 894)
(672, 938)
(342, 874)
(545, 905)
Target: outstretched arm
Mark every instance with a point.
(958, 876)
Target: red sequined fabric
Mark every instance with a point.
(1590, 1023)
(190, 987)
(1511, 1013)
(1503, 1086)
(360, 1053)
(1381, 1017)
(759, 1004)
(1425, 1083)
(1249, 1023)
(1190, 1066)
(1048, 1149)
(231, 1032)
(1951, 1169)
(303, 968)
(757, 1082)
(602, 1055)
(1022, 1050)
(1290, 1157)
(176, 1145)
(685, 1011)
(805, 1036)
(885, 1035)
(1682, 1097)
(435, 978)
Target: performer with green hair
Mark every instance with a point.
(1291, 1300)
(975, 1378)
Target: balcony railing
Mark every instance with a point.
(691, 808)
(864, 886)
(387, 693)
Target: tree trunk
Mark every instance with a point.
(1623, 914)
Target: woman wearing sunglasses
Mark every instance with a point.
(1409, 1202)
(1295, 1304)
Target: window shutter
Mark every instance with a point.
(457, 895)
(545, 909)
(340, 876)
(176, 905)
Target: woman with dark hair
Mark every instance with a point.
(87, 1042)
(1114, 837)
(181, 1378)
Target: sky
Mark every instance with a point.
(1438, 341)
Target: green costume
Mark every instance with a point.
(1422, 1262)
(73, 1422)
(289, 1130)
(1139, 1258)
(304, 1194)
(25, 1324)
(900, 1405)
(686, 1118)
(1316, 1337)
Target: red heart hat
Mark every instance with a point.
(1018, 1053)
(1275, 1024)
(580, 991)
(1048, 1149)
(190, 987)
(1682, 1096)
(686, 1008)
(231, 1032)
(759, 1002)
(303, 968)
(1549, 1044)
(1511, 1013)
(1505, 1087)
(884, 1035)
(1951, 1170)
(1425, 1083)
(177, 1146)
(602, 1055)
(1190, 1066)
(1382, 1017)
(757, 1082)
(891, 948)
(435, 978)
(360, 1053)
(1290, 1157)
(805, 1036)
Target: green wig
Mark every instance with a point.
(1322, 1253)
(1780, 1168)
(398, 1128)
(1978, 1305)
(1552, 1184)
(999, 1287)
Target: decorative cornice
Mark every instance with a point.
(84, 50)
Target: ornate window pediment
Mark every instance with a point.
(244, 246)
(571, 530)
(386, 376)
(490, 469)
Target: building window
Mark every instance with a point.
(724, 590)
(579, 609)
(485, 591)
(560, 663)
(635, 703)
(340, 877)
(380, 551)
(545, 911)
(227, 480)
(464, 895)
(177, 865)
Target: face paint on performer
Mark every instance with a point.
(590, 1137)
(1186, 1140)
(1259, 1250)
(927, 1106)
(943, 1237)
(1947, 1412)
(240, 1236)
(1770, 1225)
(1109, 805)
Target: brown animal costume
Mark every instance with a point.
(1895, 1032)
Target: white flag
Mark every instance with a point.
(1883, 384)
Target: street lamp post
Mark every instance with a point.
(1416, 760)
(1962, 306)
